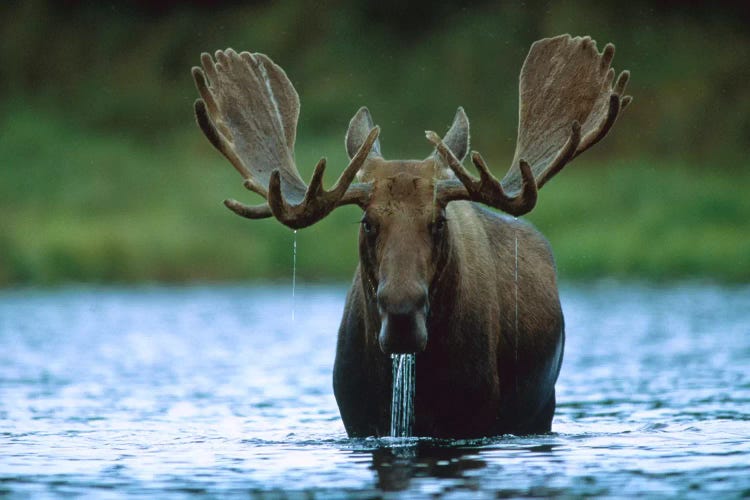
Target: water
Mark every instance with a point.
(402, 399)
(170, 392)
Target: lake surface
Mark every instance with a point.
(173, 392)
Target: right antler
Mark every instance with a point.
(567, 104)
(249, 112)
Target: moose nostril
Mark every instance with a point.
(403, 333)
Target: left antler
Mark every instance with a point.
(249, 112)
(567, 104)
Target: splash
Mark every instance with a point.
(402, 399)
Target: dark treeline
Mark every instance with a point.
(123, 66)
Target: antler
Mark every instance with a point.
(567, 104)
(248, 110)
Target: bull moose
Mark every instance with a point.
(472, 292)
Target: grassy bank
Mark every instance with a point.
(78, 206)
(648, 220)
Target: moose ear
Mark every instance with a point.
(359, 128)
(457, 137)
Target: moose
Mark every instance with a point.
(470, 291)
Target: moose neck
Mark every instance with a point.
(459, 285)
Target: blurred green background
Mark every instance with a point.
(104, 176)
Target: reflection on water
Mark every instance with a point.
(168, 392)
(397, 466)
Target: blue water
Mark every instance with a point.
(172, 392)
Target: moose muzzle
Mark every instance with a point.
(403, 321)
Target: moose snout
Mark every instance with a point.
(403, 315)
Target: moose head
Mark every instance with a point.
(426, 256)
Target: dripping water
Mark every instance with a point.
(294, 274)
(402, 398)
(515, 282)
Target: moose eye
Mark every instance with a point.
(439, 225)
(367, 226)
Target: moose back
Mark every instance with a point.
(472, 292)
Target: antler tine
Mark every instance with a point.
(622, 82)
(598, 134)
(262, 211)
(487, 189)
(463, 175)
(347, 176)
(318, 202)
(567, 153)
(607, 55)
(617, 102)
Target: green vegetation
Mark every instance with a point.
(104, 177)
(648, 220)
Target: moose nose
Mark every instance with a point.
(403, 314)
(402, 300)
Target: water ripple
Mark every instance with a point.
(216, 391)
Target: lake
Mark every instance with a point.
(170, 392)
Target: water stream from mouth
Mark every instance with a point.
(402, 398)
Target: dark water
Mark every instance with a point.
(166, 393)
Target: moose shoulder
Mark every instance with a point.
(472, 292)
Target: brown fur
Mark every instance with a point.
(470, 381)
